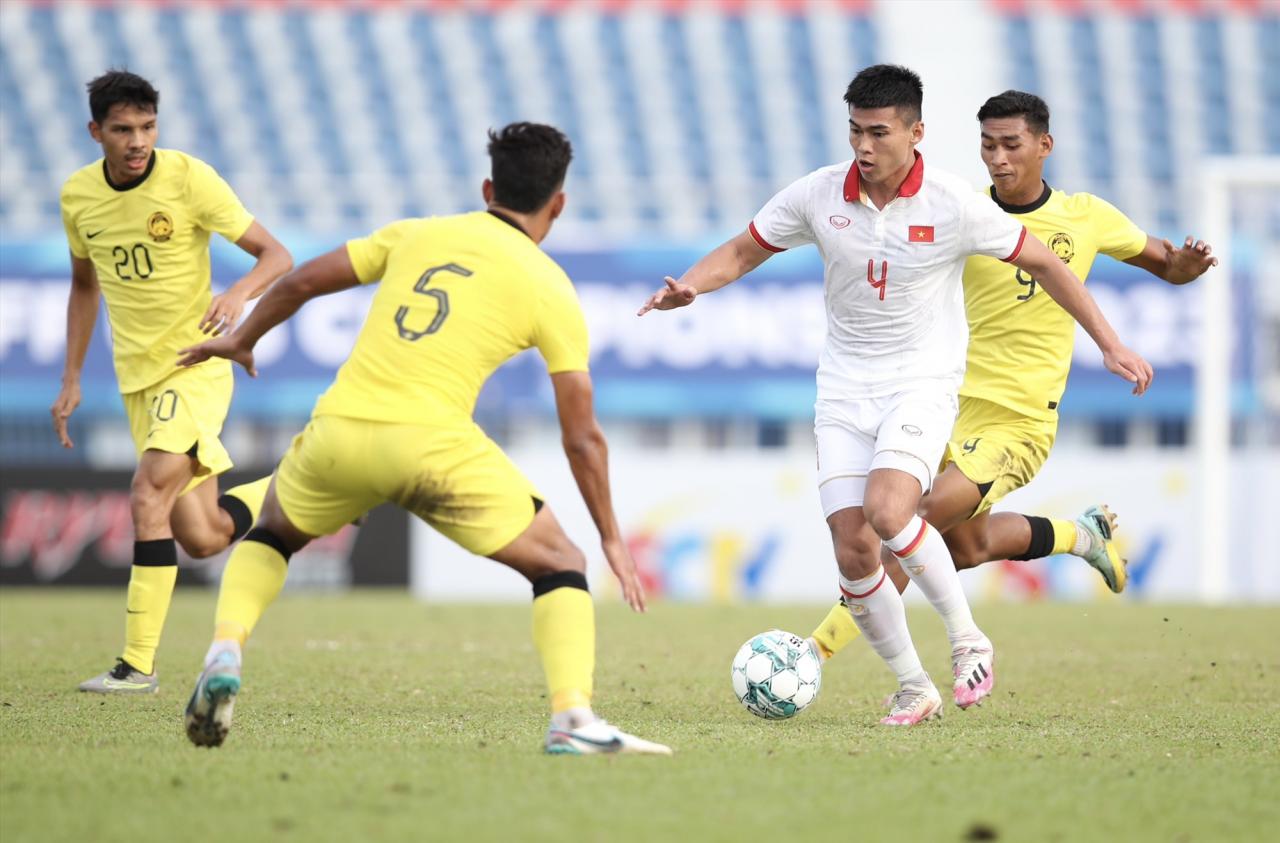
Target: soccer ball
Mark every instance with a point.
(775, 675)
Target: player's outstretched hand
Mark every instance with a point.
(227, 347)
(624, 568)
(223, 313)
(671, 296)
(1131, 366)
(68, 400)
(1190, 262)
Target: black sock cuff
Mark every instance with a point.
(262, 535)
(560, 579)
(155, 553)
(1041, 539)
(241, 517)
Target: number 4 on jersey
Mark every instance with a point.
(884, 276)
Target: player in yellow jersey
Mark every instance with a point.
(1020, 345)
(458, 296)
(138, 222)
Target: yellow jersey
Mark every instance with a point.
(1020, 340)
(459, 296)
(149, 243)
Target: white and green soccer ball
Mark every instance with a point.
(775, 675)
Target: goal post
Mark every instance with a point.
(1221, 178)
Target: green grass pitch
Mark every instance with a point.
(369, 716)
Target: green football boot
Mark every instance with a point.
(1100, 523)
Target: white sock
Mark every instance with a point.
(572, 718)
(925, 558)
(876, 607)
(219, 647)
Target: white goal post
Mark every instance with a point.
(1219, 178)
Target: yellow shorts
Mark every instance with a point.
(997, 448)
(183, 414)
(455, 478)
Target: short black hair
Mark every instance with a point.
(529, 161)
(116, 87)
(887, 86)
(1018, 104)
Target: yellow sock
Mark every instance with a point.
(253, 577)
(836, 631)
(1064, 535)
(252, 494)
(150, 591)
(243, 503)
(564, 631)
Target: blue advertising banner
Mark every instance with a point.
(749, 350)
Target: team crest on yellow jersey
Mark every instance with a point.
(160, 226)
(1062, 245)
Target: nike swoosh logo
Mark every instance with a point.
(609, 744)
(116, 683)
(89, 236)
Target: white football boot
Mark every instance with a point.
(597, 738)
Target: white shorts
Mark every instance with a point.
(907, 431)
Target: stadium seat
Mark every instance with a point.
(334, 118)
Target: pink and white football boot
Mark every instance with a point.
(974, 668)
(914, 704)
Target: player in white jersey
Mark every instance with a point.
(894, 236)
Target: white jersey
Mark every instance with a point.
(895, 302)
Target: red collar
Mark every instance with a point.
(910, 185)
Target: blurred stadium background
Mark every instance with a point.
(332, 118)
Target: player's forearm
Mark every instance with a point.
(1065, 289)
(281, 301)
(274, 262)
(718, 268)
(1155, 260)
(82, 315)
(588, 454)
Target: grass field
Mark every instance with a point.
(370, 716)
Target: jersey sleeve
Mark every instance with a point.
(987, 230)
(217, 208)
(1118, 236)
(783, 222)
(561, 330)
(74, 241)
(369, 254)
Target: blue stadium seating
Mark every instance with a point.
(267, 97)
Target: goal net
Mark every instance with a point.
(1237, 393)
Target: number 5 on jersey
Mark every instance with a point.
(442, 303)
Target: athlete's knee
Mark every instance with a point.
(887, 519)
(857, 557)
(968, 558)
(969, 552)
(934, 509)
(564, 555)
(200, 544)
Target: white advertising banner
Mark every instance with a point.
(733, 526)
